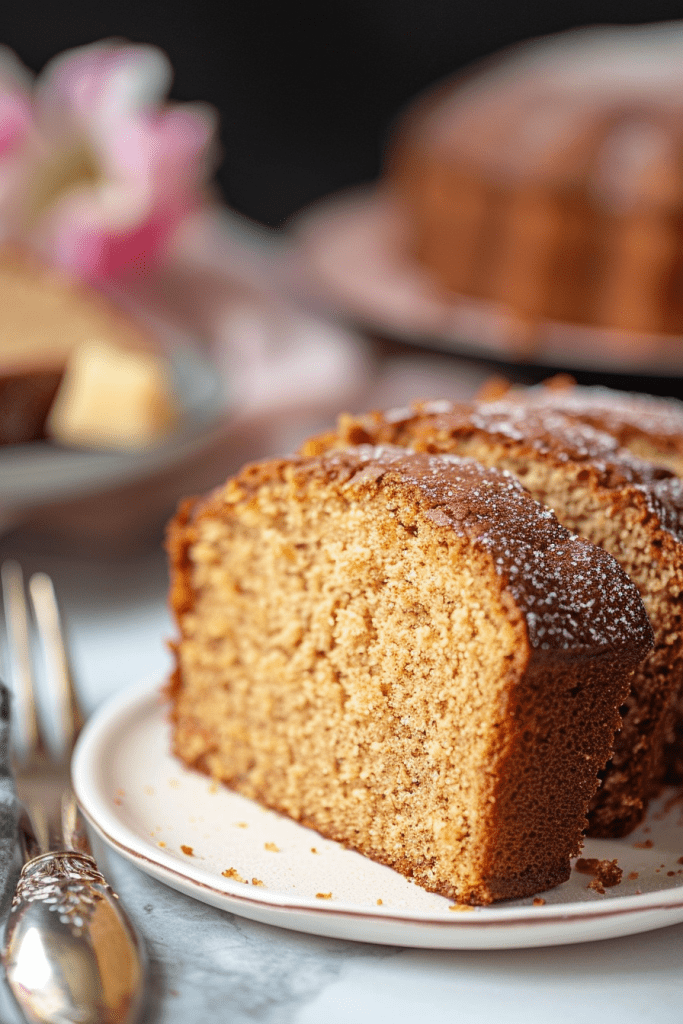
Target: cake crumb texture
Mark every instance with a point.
(606, 873)
(233, 874)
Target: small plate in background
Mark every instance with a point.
(40, 472)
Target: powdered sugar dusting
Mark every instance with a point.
(536, 427)
(549, 431)
(398, 415)
(436, 407)
(618, 413)
(574, 595)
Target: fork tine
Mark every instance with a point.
(25, 735)
(51, 633)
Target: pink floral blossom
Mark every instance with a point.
(96, 170)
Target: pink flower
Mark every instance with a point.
(96, 170)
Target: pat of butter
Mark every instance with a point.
(112, 397)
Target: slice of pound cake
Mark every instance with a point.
(407, 653)
(603, 492)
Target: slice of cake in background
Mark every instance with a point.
(73, 366)
(407, 653)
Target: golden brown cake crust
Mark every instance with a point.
(44, 315)
(25, 400)
(272, 697)
(644, 424)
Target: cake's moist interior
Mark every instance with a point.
(351, 664)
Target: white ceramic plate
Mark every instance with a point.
(186, 831)
(39, 472)
(353, 258)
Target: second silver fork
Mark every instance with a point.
(71, 954)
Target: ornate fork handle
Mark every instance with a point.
(71, 954)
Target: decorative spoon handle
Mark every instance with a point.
(71, 953)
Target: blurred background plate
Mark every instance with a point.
(41, 471)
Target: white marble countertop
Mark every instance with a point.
(209, 966)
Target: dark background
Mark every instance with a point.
(307, 92)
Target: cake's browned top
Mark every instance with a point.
(566, 425)
(527, 432)
(543, 430)
(621, 414)
(574, 596)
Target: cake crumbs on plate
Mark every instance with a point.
(213, 787)
(241, 824)
(323, 895)
(606, 873)
(313, 849)
(633, 875)
(232, 873)
(539, 902)
(256, 881)
(379, 903)
(647, 844)
(174, 783)
(187, 850)
(460, 907)
(273, 847)
(162, 844)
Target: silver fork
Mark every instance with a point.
(70, 954)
